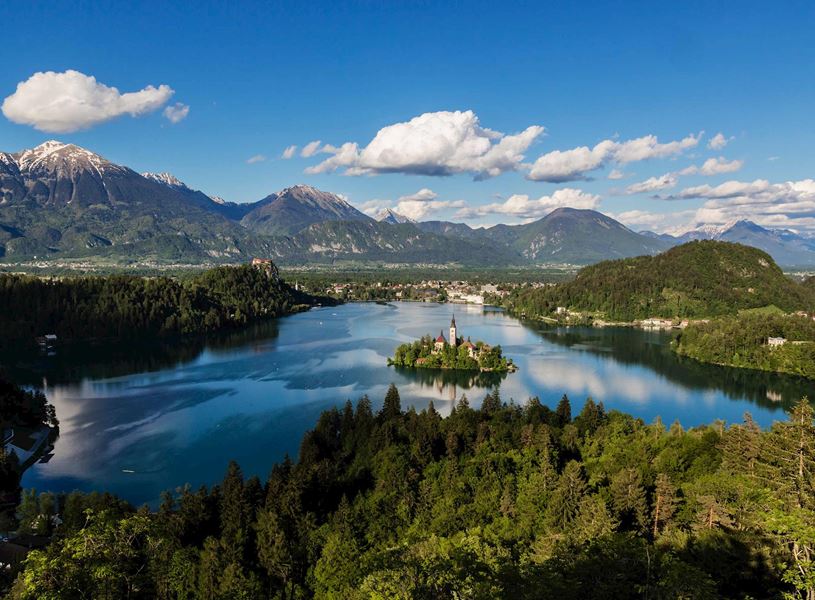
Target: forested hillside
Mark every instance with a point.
(742, 341)
(501, 502)
(697, 279)
(126, 307)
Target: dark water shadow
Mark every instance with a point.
(625, 345)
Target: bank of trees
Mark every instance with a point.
(742, 341)
(125, 307)
(504, 501)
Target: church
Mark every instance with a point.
(455, 341)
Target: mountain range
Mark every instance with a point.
(787, 247)
(62, 201)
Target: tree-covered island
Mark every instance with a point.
(455, 353)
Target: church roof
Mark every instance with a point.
(441, 338)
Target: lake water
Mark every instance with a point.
(136, 420)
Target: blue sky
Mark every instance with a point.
(626, 87)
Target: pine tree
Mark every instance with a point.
(234, 515)
(564, 411)
(664, 503)
(566, 498)
(392, 407)
(628, 496)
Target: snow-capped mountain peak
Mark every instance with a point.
(388, 215)
(53, 156)
(165, 178)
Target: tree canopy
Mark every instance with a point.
(501, 501)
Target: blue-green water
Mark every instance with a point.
(136, 420)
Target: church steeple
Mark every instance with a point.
(453, 332)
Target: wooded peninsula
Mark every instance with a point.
(127, 307)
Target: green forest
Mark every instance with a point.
(421, 354)
(22, 411)
(504, 501)
(742, 341)
(125, 307)
(694, 280)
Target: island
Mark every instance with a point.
(453, 353)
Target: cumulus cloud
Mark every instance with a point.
(310, 149)
(255, 159)
(416, 206)
(70, 101)
(616, 174)
(640, 220)
(653, 184)
(438, 143)
(790, 204)
(176, 112)
(718, 141)
(714, 166)
(423, 195)
(576, 164)
(523, 207)
(289, 152)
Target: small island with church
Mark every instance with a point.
(452, 353)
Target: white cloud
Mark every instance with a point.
(423, 195)
(653, 184)
(576, 164)
(789, 204)
(718, 141)
(418, 209)
(70, 101)
(373, 207)
(616, 174)
(717, 166)
(639, 220)
(310, 149)
(176, 113)
(523, 207)
(416, 206)
(289, 152)
(438, 143)
(714, 166)
(255, 159)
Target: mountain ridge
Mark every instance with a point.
(61, 200)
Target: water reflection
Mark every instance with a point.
(451, 384)
(138, 419)
(651, 349)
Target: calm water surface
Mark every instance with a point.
(136, 420)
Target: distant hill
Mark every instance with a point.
(570, 235)
(696, 279)
(450, 229)
(787, 247)
(295, 208)
(373, 241)
(566, 235)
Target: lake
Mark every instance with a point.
(137, 419)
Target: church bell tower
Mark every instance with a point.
(453, 332)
